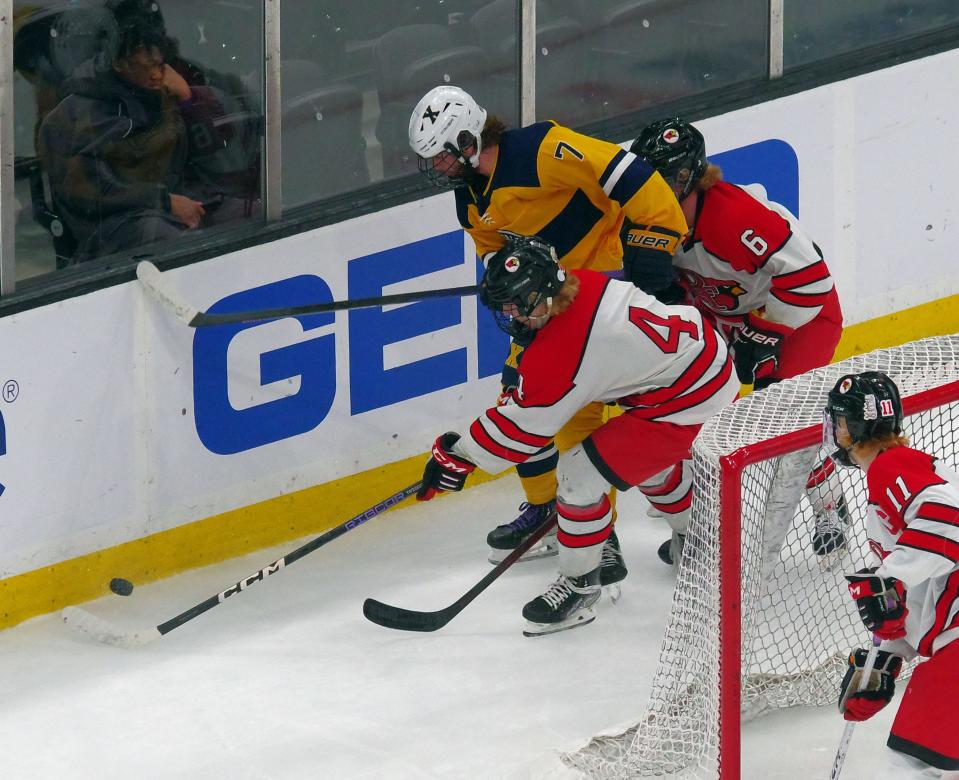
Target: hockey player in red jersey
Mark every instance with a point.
(591, 339)
(749, 266)
(599, 206)
(911, 599)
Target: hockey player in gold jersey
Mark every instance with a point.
(601, 208)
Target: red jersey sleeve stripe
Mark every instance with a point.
(512, 431)
(931, 543)
(483, 439)
(941, 513)
(804, 300)
(943, 607)
(801, 277)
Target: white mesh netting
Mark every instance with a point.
(798, 623)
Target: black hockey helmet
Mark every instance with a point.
(523, 274)
(677, 150)
(870, 404)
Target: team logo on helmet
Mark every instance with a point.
(511, 264)
(671, 135)
(846, 384)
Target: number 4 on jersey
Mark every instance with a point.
(674, 324)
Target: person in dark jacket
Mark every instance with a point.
(118, 147)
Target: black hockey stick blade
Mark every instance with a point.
(203, 319)
(411, 620)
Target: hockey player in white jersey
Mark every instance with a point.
(753, 270)
(911, 599)
(592, 339)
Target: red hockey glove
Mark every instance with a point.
(444, 471)
(756, 348)
(862, 705)
(881, 602)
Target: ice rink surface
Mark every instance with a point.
(289, 680)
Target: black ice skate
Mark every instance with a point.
(830, 533)
(671, 550)
(612, 567)
(829, 538)
(567, 603)
(505, 538)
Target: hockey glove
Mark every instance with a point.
(862, 705)
(646, 264)
(881, 602)
(444, 471)
(756, 348)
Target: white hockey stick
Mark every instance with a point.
(851, 725)
(158, 285)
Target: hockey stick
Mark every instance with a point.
(108, 633)
(411, 620)
(851, 725)
(160, 288)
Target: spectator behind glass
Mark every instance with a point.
(117, 148)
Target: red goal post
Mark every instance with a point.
(758, 621)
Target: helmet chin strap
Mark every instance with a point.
(544, 316)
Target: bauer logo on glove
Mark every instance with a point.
(756, 348)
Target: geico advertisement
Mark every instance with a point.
(127, 422)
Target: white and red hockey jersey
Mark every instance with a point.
(615, 343)
(913, 526)
(747, 253)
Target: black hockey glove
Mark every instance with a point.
(646, 265)
(862, 705)
(444, 471)
(881, 602)
(756, 348)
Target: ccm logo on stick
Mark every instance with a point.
(243, 584)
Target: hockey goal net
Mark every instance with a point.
(758, 620)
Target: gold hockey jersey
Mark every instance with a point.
(573, 191)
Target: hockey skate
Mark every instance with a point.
(671, 551)
(829, 537)
(612, 567)
(567, 603)
(505, 538)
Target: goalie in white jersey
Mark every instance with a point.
(911, 600)
(593, 339)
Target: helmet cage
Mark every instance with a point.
(520, 277)
(427, 165)
(870, 405)
(447, 121)
(677, 150)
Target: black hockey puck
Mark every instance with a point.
(121, 586)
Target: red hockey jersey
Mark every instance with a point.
(913, 526)
(615, 343)
(748, 253)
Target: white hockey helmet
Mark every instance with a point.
(446, 119)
